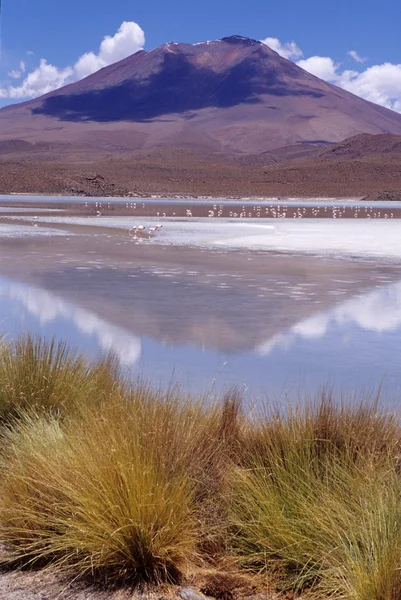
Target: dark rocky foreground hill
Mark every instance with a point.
(347, 169)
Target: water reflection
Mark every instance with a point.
(378, 311)
(46, 308)
(355, 344)
(10, 231)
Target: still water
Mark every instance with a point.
(272, 308)
(244, 208)
(354, 344)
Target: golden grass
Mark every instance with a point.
(117, 492)
(49, 376)
(317, 500)
(124, 484)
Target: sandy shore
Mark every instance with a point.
(46, 586)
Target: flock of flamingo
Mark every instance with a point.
(139, 232)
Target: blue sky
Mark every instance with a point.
(62, 31)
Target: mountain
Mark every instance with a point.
(231, 96)
(365, 146)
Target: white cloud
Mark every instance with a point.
(321, 66)
(288, 50)
(380, 84)
(14, 74)
(129, 39)
(46, 77)
(42, 80)
(17, 73)
(354, 54)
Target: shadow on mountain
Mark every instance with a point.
(179, 86)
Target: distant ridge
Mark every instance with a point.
(231, 96)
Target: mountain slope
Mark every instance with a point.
(233, 95)
(365, 146)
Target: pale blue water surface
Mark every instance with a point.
(212, 326)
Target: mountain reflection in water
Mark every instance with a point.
(65, 317)
(354, 345)
(376, 312)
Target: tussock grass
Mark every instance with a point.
(325, 426)
(41, 375)
(117, 493)
(125, 484)
(317, 500)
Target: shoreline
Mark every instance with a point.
(260, 208)
(184, 197)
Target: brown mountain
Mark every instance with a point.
(230, 96)
(365, 146)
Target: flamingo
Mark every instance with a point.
(139, 232)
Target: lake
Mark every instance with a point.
(272, 304)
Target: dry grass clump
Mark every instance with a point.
(115, 493)
(48, 376)
(325, 426)
(318, 501)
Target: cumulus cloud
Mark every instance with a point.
(14, 74)
(321, 66)
(129, 39)
(288, 50)
(43, 79)
(17, 73)
(380, 84)
(357, 57)
(47, 77)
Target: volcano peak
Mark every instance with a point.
(239, 39)
(230, 95)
